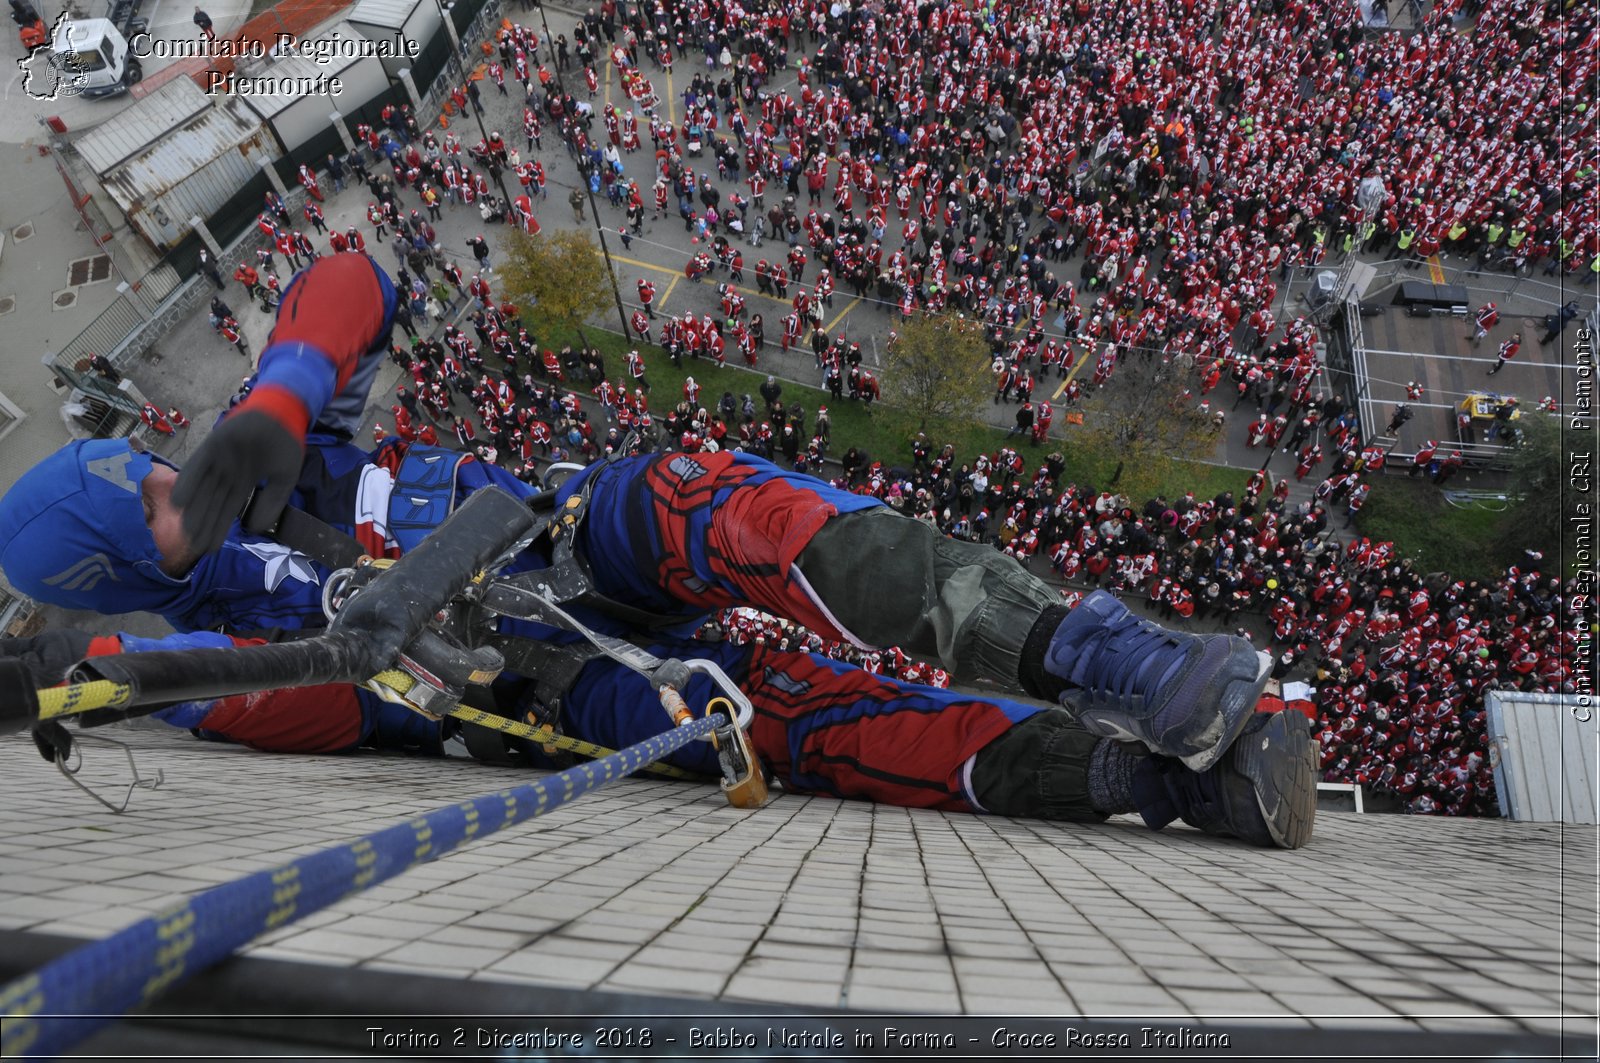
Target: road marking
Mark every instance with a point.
(677, 275)
(835, 322)
(1435, 269)
(647, 265)
(667, 99)
(1079, 364)
(661, 305)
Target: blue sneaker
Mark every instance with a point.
(1264, 792)
(1183, 696)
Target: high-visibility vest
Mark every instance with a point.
(1495, 231)
(1407, 236)
(1515, 239)
(1457, 231)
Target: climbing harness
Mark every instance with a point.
(398, 624)
(418, 631)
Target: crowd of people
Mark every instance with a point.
(1190, 154)
(1187, 156)
(1400, 660)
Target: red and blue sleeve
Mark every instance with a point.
(334, 718)
(333, 312)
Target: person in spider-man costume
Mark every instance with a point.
(1110, 714)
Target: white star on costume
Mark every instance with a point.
(281, 562)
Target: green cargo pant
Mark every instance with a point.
(893, 581)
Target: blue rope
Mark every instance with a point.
(50, 1010)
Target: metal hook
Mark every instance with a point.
(71, 773)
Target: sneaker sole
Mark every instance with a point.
(1280, 761)
(1236, 708)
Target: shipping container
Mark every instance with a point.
(1545, 752)
(398, 22)
(176, 154)
(297, 118)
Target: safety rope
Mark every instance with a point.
(75, 698)
(79, 698)
(552, 740)
(50, 1010)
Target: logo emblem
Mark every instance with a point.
(85, 575)
(686, 468)
(114, 471)
(785, 682)
(48, 75)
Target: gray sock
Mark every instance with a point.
(1111, 777)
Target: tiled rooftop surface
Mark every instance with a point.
(1382, 923)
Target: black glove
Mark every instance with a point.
(53, 741)
(30, 664)
(49, 655)
(248, 448)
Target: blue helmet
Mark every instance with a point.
(73, 533)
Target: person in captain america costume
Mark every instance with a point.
(1120, 715)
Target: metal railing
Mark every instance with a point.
(1499, 284)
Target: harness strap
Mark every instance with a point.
(553, 667)
(569, 576)
(299, 530)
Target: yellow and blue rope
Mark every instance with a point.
(48, 1011)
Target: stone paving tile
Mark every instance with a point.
(1341, 1002)
(830, 972)
(1125, 1001)
(1367, 1022)
(817, 902)
(806, 934)
(786, 950)
(702, 957)
(92, 924)
(891, 998)
(576, 971)
(1202, 977)
(796, 994)
(1221, 1004)
(335, 942)
(1024, 993)
(666, 981)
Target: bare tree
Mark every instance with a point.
(1148, 420)
(937, 370)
